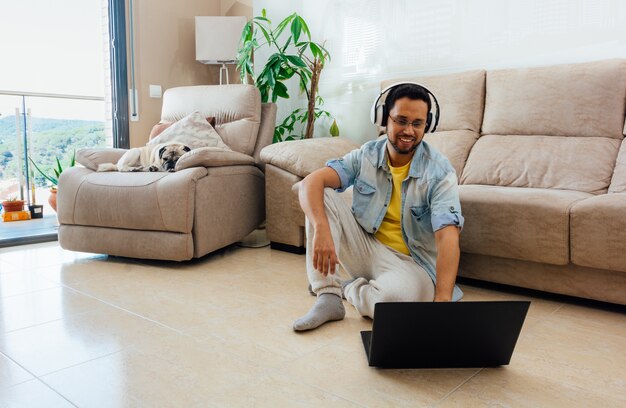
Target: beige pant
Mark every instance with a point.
(383, 274)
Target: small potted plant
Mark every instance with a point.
(52, 199)
(12, 204)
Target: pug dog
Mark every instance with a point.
(159, 157)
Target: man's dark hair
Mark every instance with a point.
(411, 91)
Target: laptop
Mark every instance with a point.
(444, 334)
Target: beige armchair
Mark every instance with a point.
(174, 216)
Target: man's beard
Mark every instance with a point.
(403, 151)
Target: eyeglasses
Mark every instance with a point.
(418, 124)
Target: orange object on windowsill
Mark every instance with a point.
(15, 216)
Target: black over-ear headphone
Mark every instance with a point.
(379, 114)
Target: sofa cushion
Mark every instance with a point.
(520, 223)
(598, 232)
(461, 98)
(567, 100)
(236, 108)
(567, 163)
(302, 157)
(455, 145)
(618, 181)
(142, 201)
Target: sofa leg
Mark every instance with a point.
(288, 248)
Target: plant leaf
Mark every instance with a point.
(282, 25)
(281, 90)
(47, 177)
(304, 82)
(303, 48)
(271, 80)
(246, 34)
(250, 69)
(296, 29)
(59, 169)
(285, 72)
(326, 53)
(266, 34)
(305, 27)
(263, 90)
(315, 50)
(334, 129)
(297, 61)
(282, 50)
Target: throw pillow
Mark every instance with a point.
(193, 130)
(161, 126)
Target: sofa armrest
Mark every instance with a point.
(302, 157)
(91, 158)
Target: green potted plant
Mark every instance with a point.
(54, 179)
(297, 56)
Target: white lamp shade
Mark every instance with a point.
(217, 38)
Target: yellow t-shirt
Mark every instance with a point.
(390, 230)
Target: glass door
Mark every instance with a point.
(54, 94)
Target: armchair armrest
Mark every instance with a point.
(213, 157)
(302, 157)
(91, 158)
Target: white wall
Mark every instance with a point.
(372, 40)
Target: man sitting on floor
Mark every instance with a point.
(400, 240)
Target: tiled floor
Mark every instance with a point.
(94, 331)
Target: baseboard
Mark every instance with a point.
(288, 248)
(32, 239)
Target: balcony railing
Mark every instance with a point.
(45, 126)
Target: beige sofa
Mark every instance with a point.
(174, 216)
(541, 160)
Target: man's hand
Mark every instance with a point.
(311, 194)
(324, 255)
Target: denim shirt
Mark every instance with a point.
(430, 197)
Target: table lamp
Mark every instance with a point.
(217, 40)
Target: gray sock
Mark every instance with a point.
(328, 307)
